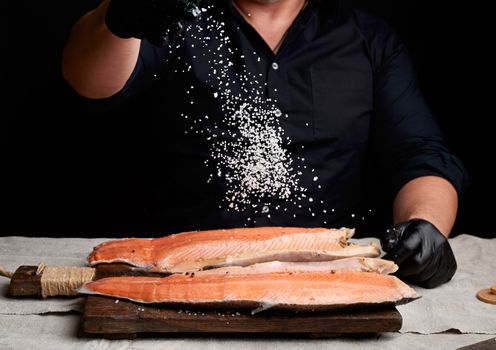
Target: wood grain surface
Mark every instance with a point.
(119, 318)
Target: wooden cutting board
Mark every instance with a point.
(489, 344)
(109, 318)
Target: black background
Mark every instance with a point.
(66, 174)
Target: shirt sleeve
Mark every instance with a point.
(408, 140)
(149, 65)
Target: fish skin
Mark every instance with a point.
(196, 250)
(288, 291)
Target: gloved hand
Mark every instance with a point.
(422, 253)
(157, 21)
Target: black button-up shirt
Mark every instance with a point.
(246, 137)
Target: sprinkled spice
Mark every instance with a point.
(251, 159)
(248, 146)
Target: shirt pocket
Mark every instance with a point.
(342, 105)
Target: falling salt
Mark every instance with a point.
(250, 157)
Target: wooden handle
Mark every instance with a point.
(26, 282)
(43, 281)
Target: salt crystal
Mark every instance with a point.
(250, 157)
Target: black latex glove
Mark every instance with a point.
(157, 21)
(422, 253)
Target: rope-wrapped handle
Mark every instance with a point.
(47, 281)
(64, 280)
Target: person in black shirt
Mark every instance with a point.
(268, 112)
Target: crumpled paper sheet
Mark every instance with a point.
(452, 306)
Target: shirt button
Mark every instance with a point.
(265, 209)
(275, 66)
(278, 112)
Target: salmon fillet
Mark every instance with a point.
(193, 251)
(347, 264)
(290, 291)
